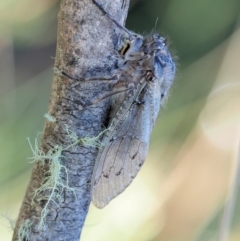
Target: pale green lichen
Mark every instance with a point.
(53, 184)
(74, 139)
(49, 117)
(84, 141)
(24, 230)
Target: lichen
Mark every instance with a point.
(49, 117)
(24, 230)
(56, 178)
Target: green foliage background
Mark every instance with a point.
(200, 34)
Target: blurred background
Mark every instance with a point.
(180, 191)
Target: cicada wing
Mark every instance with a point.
(118, 170)
(122, 156)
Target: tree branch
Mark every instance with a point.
(58, 196)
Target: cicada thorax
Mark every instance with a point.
(129, 70)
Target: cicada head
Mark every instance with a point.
(163, 64)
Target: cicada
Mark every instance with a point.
(146, 69)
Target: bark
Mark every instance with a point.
(85, 48)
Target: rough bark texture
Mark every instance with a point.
(85, 48)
